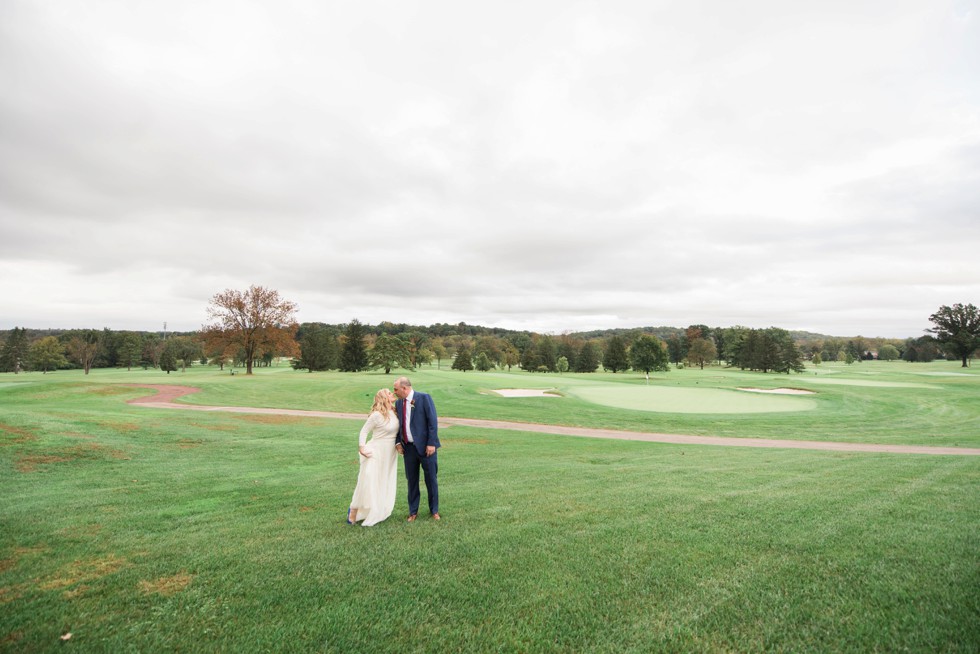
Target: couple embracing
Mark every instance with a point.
(401, 423)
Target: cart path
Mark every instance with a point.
(164, 396)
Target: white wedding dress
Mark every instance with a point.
(374, 496)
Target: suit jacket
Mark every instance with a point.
(423, 422)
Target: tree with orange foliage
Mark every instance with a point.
(256, 321)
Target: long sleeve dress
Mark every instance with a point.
(374, 495)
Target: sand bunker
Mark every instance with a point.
(525, 392)
(778, 391)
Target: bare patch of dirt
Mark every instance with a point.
(80, 572)
(114, 389)
(36, 549)
(76, 592)
(167, 586)
(78, 434)
(163, 393)
(213, 427)
(119, 426)
(277, 419)
(189, 443)
(30, 462)
(82, 530)
(88, 451)
(9, 594)
(20, 435)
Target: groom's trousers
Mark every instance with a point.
(430, 466)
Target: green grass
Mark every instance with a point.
(139, 529)
(871, 402)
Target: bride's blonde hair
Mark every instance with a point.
(384, 403)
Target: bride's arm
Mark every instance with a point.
(368, 427)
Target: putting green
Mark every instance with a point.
(664, 399)
(863, 382)
(947, 374)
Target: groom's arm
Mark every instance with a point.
(431, 421)
(398, 435)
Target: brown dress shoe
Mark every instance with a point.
(435, 516)
(412, 517)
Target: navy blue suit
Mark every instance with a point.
(425, 431)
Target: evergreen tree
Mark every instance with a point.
(353, 355)
(13, 356)
(746, 350)
(529, 359)
(569, 348)
(168, 356)
(790, 358)
(922, 349)
(317, 347)
(588, 358)
(463, 361)
(856, 348)
(108, 354)
(770, 349)
(734, 346)
(547, 354)
(676, 348)
(769, 352)
(128, 347)
(615, 358)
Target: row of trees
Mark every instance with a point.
(354, 347)
(257, 326)
(91, 348)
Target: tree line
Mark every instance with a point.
(256, 327)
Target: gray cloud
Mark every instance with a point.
(537, 165)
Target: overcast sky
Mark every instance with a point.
(545, 165)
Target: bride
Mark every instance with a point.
(374, 495)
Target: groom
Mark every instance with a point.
(417, 440)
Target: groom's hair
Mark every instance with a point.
(404, 381)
